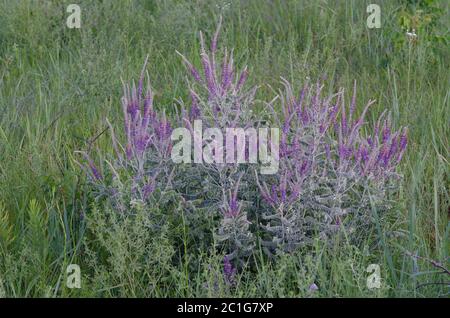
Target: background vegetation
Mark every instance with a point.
(58, 85)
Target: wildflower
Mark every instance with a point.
(149, 188)
(313, 287)
(97, 176)
(319, 166)
(233, 208)
(229, 271)
(242, 79)
(95, 171)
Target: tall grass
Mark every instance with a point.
(57, 87)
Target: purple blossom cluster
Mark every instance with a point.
(327, 164)
(229, 271)
(144, 127)
(219, 80)
(333, 129)
(134, 171)
(217, 89)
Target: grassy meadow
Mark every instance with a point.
(59, 85)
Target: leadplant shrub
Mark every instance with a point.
(331, 173)
(333, 170)
(220, 99)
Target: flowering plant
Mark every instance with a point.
(333, 168)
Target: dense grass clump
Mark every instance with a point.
(86, 175)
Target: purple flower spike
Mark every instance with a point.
(148, 189)
(242, 79)
(229, 271)
(404, 140)
(97, 175)
(194, 112)
(95, 172)
(209, 75)
(233, 208)
(195, 74)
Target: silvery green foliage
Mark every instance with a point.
(234, 229)
(331, 175)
